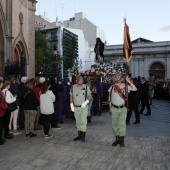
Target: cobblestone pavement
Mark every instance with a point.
(147, 146)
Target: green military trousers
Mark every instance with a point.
(119, 121)
(81, 118)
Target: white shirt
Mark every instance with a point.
(8, 96)
(46, 102)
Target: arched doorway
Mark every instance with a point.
(157, 70)
(17, 67)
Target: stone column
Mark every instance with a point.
(31, 40)
(9, 37)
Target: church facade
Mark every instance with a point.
(149, 59)
(17, 38)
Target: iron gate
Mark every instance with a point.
(16, 69)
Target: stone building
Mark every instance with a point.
(149, 58)
(17, 37)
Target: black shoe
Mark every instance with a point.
(116, 142)
(32, 135)
(83, 136)
(122, 141)
(28, 134)
(141, 113)
(79, 136)
(2, 142)
(136, 122)
(61, 122)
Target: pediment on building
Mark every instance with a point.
(141, 40)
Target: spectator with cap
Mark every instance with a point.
(41, 81)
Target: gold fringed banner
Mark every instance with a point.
(127, 46)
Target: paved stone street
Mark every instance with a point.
(147, 146)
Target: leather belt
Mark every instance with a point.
(118, 107)
(76, 106)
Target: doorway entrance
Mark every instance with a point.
(157, 70)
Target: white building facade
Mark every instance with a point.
(149, 58)
(86, 31)
(90, 30)
(85, 54)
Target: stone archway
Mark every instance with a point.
(157, 70)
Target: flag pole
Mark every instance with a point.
(124, 35)
(126, 65)
(125, 20)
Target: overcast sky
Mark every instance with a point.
(147, 19)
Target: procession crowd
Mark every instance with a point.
(35, 103)
(31, 103)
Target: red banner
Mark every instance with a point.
(127, 47)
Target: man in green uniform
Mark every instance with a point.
(80, 96)
(117, 107)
